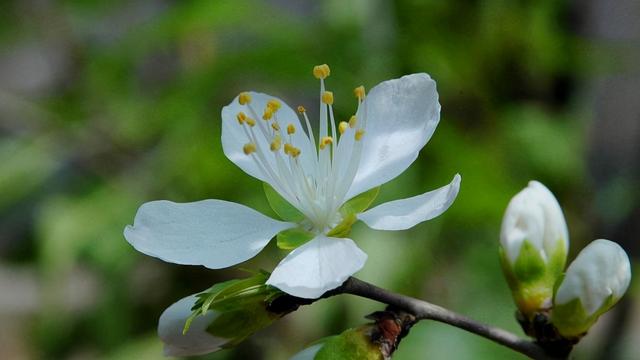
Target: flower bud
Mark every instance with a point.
(533, 247)
(220, 317)
(593, 283)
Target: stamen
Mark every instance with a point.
(295, 152)
(342, 127)
(327, 140)
(241, 118)
(268, 114)
(327, 98)
(353, 121)
(275, 126)
(249, 148)
(276, 144)
(359, 92)
(250, 122)
(287, 148)
(291, 129)
(244, 98)
(321, 71)
(274, 105)
(301, 109)
(359, 134)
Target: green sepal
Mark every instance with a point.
(281, 206)
(531, 279)
(292, 238)
(351, 344)
(240, 323)
(343, 229)
(572, 320)
(360, 203)
(233, 295)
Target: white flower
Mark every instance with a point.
(534, 241)
(593, 283)
(315, 173)
(534, 215)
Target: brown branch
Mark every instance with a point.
(427, 311)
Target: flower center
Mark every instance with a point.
(316, 180)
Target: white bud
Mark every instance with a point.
(533, 247)
(533, 215)
(594, 282)
(197, 340)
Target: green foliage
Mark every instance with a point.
(351, 344)
(235, 295)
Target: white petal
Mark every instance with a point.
(213, 233)
(406, 213)
(196, 341)
(401, 115)
(234, 137)
(600, 270)
(318, 266)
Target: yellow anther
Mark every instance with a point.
(301, 109)
(294, 152)
(276, 144)
(275, 126)
(321, 71)
(241, 118)
(274, 105)
(342, 127)
(291, 129)
(325, 141)
(248, 148)
(250, 122)
(359, 92)
(359, 134)
(268, 114)
(353, 121)
(244, 98)
(288, 148)
(327, 97)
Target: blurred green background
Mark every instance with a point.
(106, 105)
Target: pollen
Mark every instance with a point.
(288, 148)
(241, 118)
(321, 71)
(327, 97)
(359, 134)
(268, 113)
(275, 126)
(276, 144)
(274, 105)
(244, 98)
(295, 152)
(359, 92)
(291, 129)
(327, 140)
(353, 121)
(249, 148)
(342, 127)
(250, 122)
(301, 109)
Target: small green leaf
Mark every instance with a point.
(360, 202)
(344, 228)
(281, 206)
(292, 238)
(351, 344)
